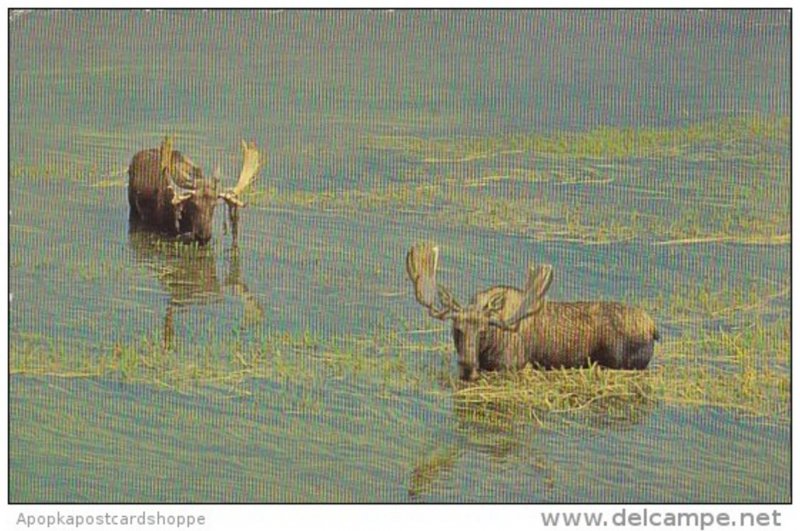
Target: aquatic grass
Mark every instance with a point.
(395, 195)
(479, 203)
(537, 394)
(746, 372)
(48, 170)
(431, 470)
(455, 205)
(603, 142)
(85, 172)
(92, 270)
(302, 358)
(698, 303)
(731, 351)
(746, 201)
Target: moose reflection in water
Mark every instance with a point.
(505, 430)
(188, 275)
(506, 328)
(168, 193)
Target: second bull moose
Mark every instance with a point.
(168, 193)
(506, 328)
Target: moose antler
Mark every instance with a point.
(250, 167)
(167, 165)
(421, 262)
(173, 165)
(537, 284)
(169, 169)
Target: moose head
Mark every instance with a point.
(500, 308)
(195, 203)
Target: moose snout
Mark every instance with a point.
(190, 237)
(469, 372)
(202, 238)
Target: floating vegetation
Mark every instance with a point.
(728, 348)
(745, 372)
(429, 471)
(81, 172)
(689, 141)
(303, 358)
(724, 181)
(451, 203)
(698, 303)
(358, 200)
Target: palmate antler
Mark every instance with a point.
(250, 167)
(537, 284)
(177, 181)
(421, 262)
(166, 155)
(178, 168)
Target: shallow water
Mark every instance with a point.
(96, 441)
(314, 89)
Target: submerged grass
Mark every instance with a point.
(733, 352)
(605, 142)
(429, 471)
(582, 186)
(697, 303)
(450, 203)
(303, 359)
(743, 370)
(723, 181)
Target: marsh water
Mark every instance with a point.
(329, 97)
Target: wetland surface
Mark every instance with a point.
(646, 155)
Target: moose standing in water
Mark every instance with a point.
(168, 193)
(505, 328)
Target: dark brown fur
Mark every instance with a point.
(151, 193)
(568, 334)
(506, 328)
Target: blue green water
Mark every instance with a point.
(314, 90)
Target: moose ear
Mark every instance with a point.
(540, 279)
(496, 303)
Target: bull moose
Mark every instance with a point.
(506, 328)
(168, 193)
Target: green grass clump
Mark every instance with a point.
(746, 372)
(277, 356)
(531, 189)
(604, 142)
(430, 470)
